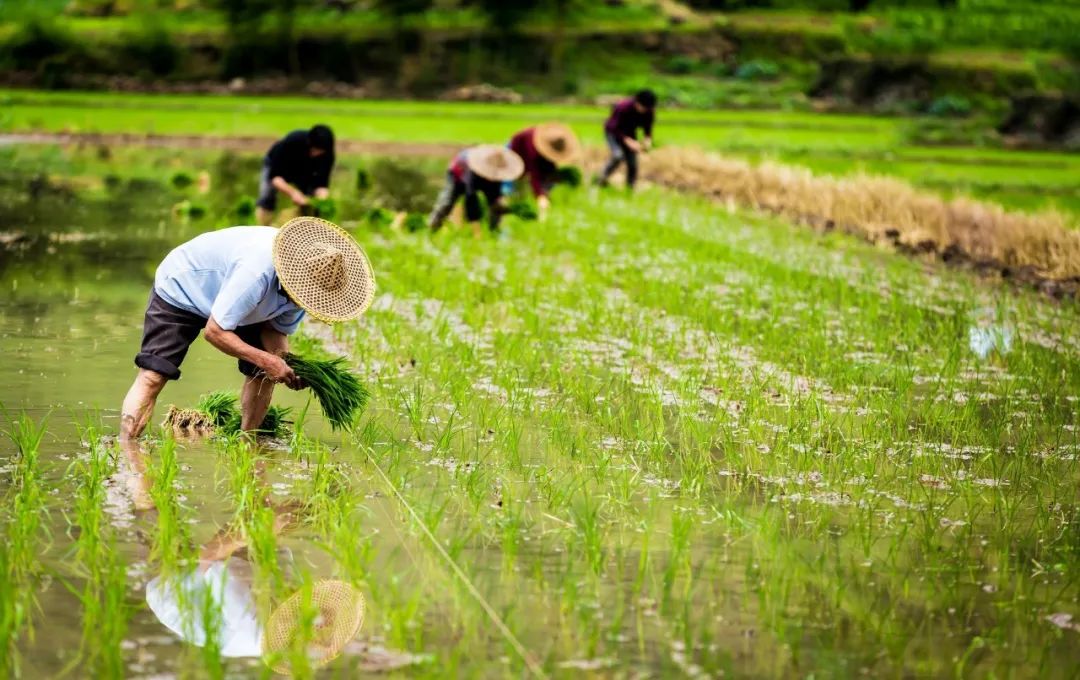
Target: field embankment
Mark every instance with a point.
(1041, 248)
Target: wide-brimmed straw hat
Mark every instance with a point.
(339, 613)
(323, 269)
(494, 162)
(557, 143)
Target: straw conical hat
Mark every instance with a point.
(340, 613)
(494, 162)
(323, 269)
(557, 143)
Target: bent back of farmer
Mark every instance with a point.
(234, 286)
(621, 129)
(298, 166)
(478, 171)
(544, 148)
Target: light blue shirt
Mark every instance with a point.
(228, 275)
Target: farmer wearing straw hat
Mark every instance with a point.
(298, 165)
(543, 149)
(620, 130)
(475, 172)
(248, 288)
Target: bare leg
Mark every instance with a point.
(139, 403)
(264, 217)
(254, 402)
(135, 477)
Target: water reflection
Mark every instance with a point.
(242, 594)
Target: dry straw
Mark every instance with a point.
(880, 209)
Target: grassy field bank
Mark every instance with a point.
(834, 144)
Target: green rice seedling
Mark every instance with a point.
(569, 175)
(222, 407)
(105, 611)
(325, 208)
(523, 209)
(276, 422)
(23, 540)
(244, 209)
(414, 222)
(340, 393)
(172, 538)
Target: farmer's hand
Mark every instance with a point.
(299, 198)
(646, 144)
(278, 371)
(322, 193)
(632, 144)
(542, 205)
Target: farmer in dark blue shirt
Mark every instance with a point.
(621, 129)
(298, 165)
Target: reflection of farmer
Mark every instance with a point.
(221, 584)
(214, 600)
(475, 172)
(544, 148)
(621, 133)
(248, 288)
(298, 165)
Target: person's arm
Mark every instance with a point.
(292, 192)
(632, 144)
(230, 343)
(650, 118)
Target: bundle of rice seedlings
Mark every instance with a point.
(569, 175)
(222, 411)
(276, 423)
(523, 209)
(221, 406)
(414, 222)
(339, 392)
(187, 421)
(325, 208)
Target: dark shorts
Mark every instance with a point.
(267, 193)
(168, 332)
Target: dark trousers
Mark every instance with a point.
(474, 210)
(620, 153)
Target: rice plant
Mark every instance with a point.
(340, 393)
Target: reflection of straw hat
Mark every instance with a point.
(494, 162)
(557, 143)
(323, 269)
(339, 613)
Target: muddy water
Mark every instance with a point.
(75, 276)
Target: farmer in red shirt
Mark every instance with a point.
(481, 170)
(544, 148)
(621, 133)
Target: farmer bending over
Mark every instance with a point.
(481, 170)
(544, 148)
(621, 129)
(298, 165)
(248, 288)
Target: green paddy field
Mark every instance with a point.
(650, 437)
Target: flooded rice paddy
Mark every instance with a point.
(649, 438)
